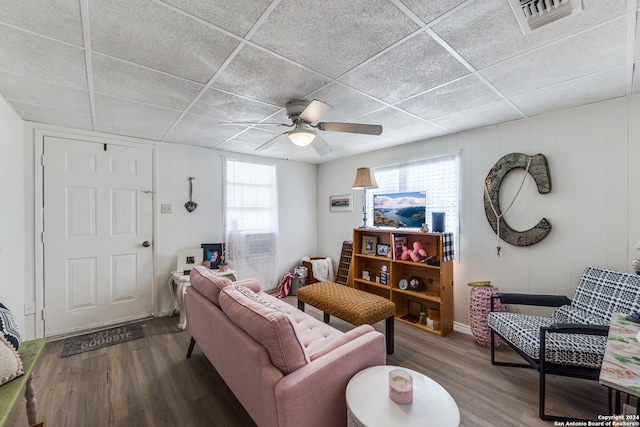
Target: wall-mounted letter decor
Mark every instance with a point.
(538, 168)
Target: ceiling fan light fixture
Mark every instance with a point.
(301, 137)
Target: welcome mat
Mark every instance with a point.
(101, 339)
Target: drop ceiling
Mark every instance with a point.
(173, 70)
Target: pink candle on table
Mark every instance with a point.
(400, 386)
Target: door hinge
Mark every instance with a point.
(42, 237)
(42, 160)
(43, 316)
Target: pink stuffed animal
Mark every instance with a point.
(414, 253)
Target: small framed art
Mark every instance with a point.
(187, 259)
(382, 250)
(369, 245)
(214, 253)
(340, 203)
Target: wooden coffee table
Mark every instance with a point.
(369, 404)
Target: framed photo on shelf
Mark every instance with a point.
(187, 259)
(212, 252)
(398, 243)
(340, 203)
(369, 245)
(382, 250)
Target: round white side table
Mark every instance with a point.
(369, 404)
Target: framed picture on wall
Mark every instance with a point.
(340, 203)
(213, 252)
(187, 259)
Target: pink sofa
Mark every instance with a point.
(285, 367)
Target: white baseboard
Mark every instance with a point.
(461, 327)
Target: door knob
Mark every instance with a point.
(146, 244)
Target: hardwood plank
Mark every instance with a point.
(150, 382)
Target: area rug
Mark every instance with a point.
(101, 339)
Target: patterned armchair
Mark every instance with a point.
(574, 337)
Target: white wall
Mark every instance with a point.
(181, 229)
(12, 260)
(593, 207)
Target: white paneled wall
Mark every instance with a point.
(594, 204)
(181, 229)
(11, 213)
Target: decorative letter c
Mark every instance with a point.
(539, 170)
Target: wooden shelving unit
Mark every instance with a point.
(436, 295)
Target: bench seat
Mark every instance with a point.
(351, 305)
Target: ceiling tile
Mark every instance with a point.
(332, 36)
(29, 90)
(590, 52)
(484, 115)
(236, 16)
(25, 53)
(197, 130)
(152, 35)
(228, 107)
(418, 64)
(430, 10)
(59, 19)
(486, 32)
(594, 88)
(53, 116)
(348, 104)
(462, 94)
(258, 75)
(126, 80)
(125, 117)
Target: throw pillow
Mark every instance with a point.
(10, 362)
(9, 327)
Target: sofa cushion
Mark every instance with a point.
(340, 340)
(210, 285)
(265, 323)
(9, 327)
(10, 362)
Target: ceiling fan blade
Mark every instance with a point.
(350, 127)
(320, 145)
(252, 124)
(314, 111)
(270, 142)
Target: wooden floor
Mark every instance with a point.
(149, 382)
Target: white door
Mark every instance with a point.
(98, 259)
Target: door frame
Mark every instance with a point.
(38, 146)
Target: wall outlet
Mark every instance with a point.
(165, 208)
(29, 307)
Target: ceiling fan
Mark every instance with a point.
(303, 115)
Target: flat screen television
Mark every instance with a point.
(400, 209)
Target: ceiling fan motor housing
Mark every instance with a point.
(295, 108)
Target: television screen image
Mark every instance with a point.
(400, 209)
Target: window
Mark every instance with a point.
(251, 219)
(438, 177)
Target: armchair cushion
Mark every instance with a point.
(523, 331)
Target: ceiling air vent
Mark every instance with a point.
(533, 14)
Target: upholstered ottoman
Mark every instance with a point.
(351, 305)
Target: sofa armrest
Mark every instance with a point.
(575, 328)
(531, 299)
(314, 395)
